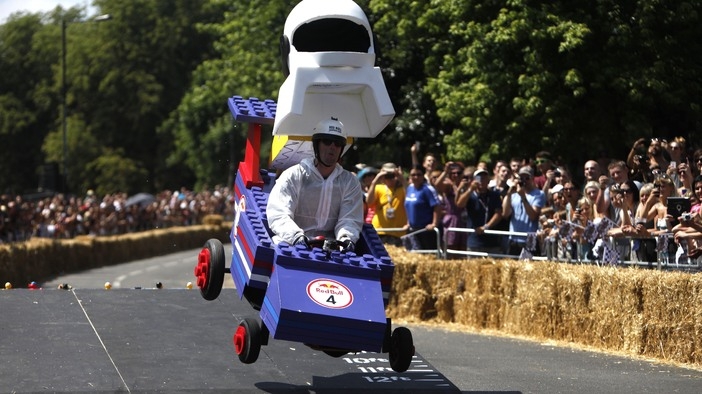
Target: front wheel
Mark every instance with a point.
(401, 349)
(247, 340)
(209, 270)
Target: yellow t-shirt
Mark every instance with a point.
(389, 209)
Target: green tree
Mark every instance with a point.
(567, 76)
(26, 106)
(206, 139)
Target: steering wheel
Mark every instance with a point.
(327, 245)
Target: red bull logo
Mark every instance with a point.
(329, 293)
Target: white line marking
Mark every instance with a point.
(101, 342)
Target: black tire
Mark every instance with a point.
(210, 269)
(401, 349)
(247, 340)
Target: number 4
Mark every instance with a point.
(331, 300)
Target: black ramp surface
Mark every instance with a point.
(47, 344)
(170, 341)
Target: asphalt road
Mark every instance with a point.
(454, 361)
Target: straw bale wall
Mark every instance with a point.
(41, 259)
(635, 311)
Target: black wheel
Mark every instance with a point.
(401, 349)
(247, 340)
(209, 270)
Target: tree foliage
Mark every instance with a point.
(567, 77)
(247, 64)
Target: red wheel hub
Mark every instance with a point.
(240, 340)
(202, 268)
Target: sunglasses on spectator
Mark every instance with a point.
(337, 143)
(698, 160)
(541, 161)
(625, 191)
(389, 176)
(568, 189)
(455, 173)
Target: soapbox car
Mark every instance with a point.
(330, 300)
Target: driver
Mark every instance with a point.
(317, 197)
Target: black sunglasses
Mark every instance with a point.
(337, 143)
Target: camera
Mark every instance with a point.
(577, 210)
(686, 217)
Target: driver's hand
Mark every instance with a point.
(347, 245)
(302, 240)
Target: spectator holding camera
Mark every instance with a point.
(685, 180)
(484, 209)
(583, 217)
(690, 228)
(523, 204)
(544, 170)
(447, 185)
(618, 175)
(663, 188)
(644, 159)
(386, 194)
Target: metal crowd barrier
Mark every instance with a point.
(486, 254)
(670, 255)
(439, 251)
(553, 249)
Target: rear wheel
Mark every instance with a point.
(401, 349)
(247, 340)
(209, 270)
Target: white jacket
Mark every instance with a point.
(303, 201)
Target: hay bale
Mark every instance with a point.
(638, 311)
(672, 322)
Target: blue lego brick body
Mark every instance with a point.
(326, 308)
(252, 252)
(252, 110)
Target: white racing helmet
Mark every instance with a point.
(328, 129)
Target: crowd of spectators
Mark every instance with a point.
(62, 216)
(564, 215)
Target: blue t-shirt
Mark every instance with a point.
(519, 221)
(419, 205)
